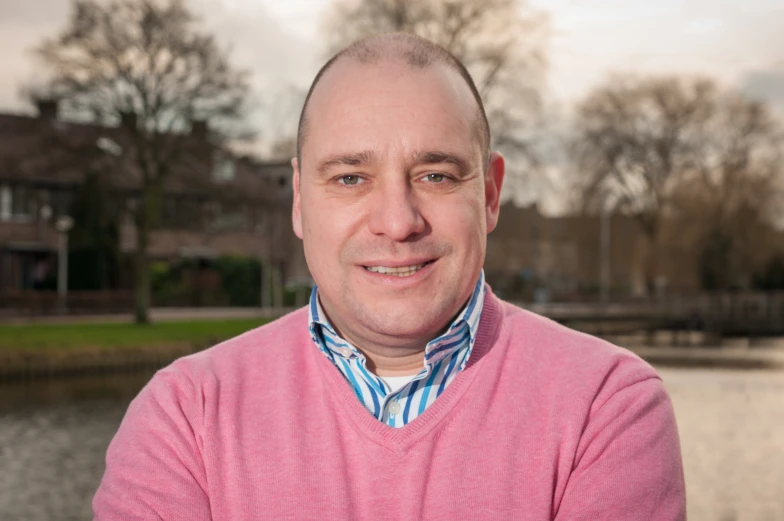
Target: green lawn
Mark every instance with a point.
(15, 338)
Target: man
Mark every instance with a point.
(405, 390)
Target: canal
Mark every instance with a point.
(54, 434)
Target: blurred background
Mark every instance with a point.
(145, 193)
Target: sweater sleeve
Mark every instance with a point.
(628, 461)
(154, 468)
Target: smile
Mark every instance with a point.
(401, 271)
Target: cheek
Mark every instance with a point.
(326, 228)
(463, 220)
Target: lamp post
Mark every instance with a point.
(605, 237)
(63, 226)
(605, 246)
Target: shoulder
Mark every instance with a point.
(568, 362)
(262, 350)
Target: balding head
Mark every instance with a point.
(416, 53)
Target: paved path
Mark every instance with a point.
(156, 315)
(771, 357)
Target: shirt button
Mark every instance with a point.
(345, 352)
(394, 408)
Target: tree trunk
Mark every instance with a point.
(141, 277)
(277, 287)
(147, 214)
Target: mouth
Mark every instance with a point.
(398, 271)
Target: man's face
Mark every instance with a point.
(392, 199)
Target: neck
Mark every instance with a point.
(391, 362)
(405, 357)
(386, 356)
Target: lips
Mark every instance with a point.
(398, 271)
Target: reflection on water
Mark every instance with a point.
(53, 438)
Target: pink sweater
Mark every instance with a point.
(544, 423)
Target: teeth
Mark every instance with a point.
(403, 271)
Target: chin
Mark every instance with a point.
(408, 321)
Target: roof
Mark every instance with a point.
(45, 151)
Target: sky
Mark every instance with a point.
(739, 43)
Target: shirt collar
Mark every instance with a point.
(437, 349)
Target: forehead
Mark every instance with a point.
(390, 104)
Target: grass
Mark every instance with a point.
(77, 337)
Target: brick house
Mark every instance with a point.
(215, 202)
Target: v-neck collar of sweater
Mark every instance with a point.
(401, 439)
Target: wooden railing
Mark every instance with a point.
(752, 313)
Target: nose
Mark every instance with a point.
(395, 212)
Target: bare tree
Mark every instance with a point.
(145, 65)
(501, 42)
(280, 126)
(731, 192)
(283, 149)
(659, 147)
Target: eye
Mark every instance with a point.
(435, 177)
(349, 180)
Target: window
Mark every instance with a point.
(230, 217)
(22, 202)
(60, 200)
(16, 202)
(181, 213)
(5, 203)
(223, 167)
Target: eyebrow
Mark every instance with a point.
(437, 157)
(430, 157)
(356, 159)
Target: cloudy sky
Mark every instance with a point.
(740, 43)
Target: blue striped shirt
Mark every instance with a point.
(445, 356)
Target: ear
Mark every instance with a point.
(296, 209)
(494, 179)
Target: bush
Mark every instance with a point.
(240, 279)
(225, 281)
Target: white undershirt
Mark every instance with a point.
(397, 382)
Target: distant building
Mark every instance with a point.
(532, 256)
(215, 203)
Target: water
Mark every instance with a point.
(732, 438)
(53, 438)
